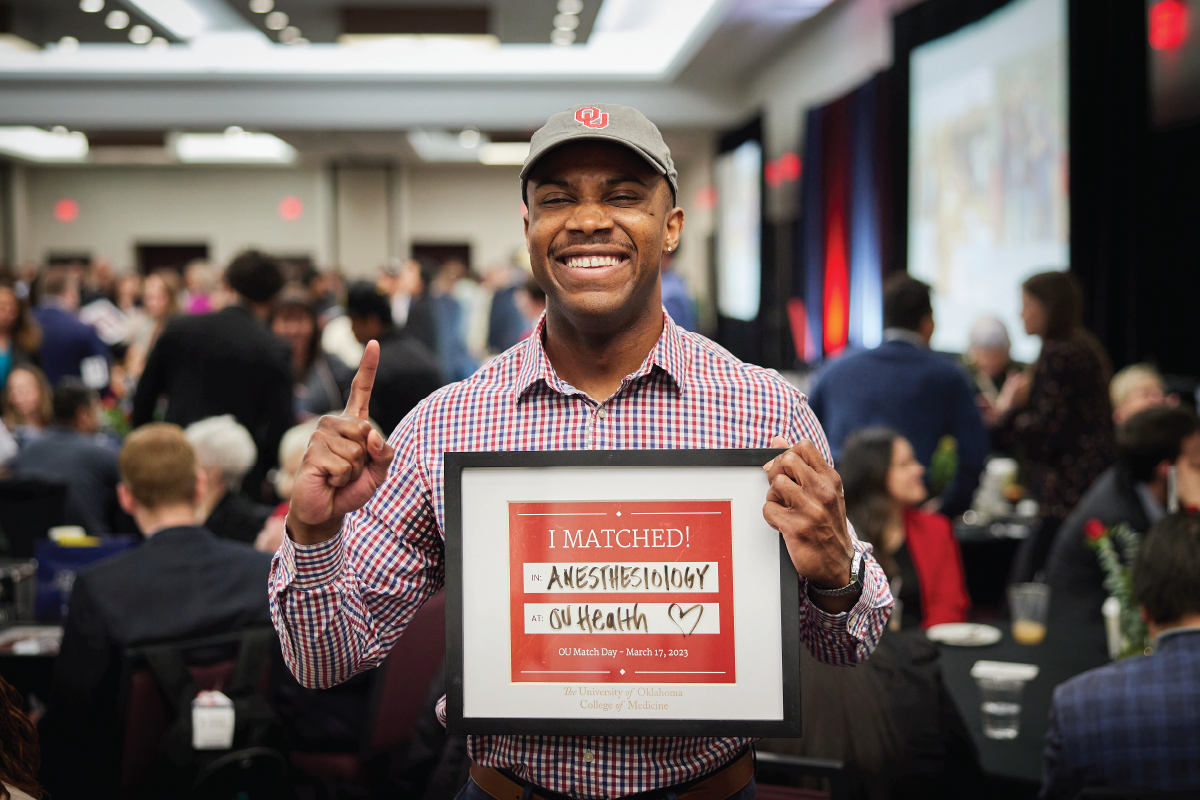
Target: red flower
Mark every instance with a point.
(1094, 529)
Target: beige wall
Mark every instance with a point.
(119, 207)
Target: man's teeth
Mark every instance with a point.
(593, 261)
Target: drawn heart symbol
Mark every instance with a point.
(675, 610)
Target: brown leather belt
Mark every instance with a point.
(725, 782)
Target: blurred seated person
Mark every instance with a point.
(322, 380)
(408, 371)
(884, 487)
(69, 347)
(71, 452)
(1133, 491)
(988, 358)
(291, 451)
(1135, 724)
(890, 720)
(28, 403)
(227, 362)
(20, 336)
(183, 583)
(20, 754)
(1135, 388)
(225, 452)
(905, 386)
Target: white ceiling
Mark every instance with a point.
(681, 61)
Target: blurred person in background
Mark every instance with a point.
(890, 720)
(506, 324)
(69, 347)
(905, 386)
(408, 371)
(203, 282)
(1135, 724)
(322, 380)
(129, 295)
(531, 302)
(1134, 491)
(884, 488)
(225, 453)
(20, 336)
(456, 363)
(69, 451)
(676, 297)
(988, 359)
(227, 362)
(475, 299)
(182, 583)
(1136, 388)
(160, 302)
(412, 306)
(20, 753)
(336, 336)
(28, 403)
(1059, 421)
(291, 451)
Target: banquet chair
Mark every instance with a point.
(397, 697)
(777, 777)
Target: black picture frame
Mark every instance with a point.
(457, 723)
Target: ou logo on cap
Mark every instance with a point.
(592, 117)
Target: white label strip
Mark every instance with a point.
(682, 576)
(682, 619)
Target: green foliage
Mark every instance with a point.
(1118, 580)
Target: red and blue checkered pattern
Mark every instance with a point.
(340, 606)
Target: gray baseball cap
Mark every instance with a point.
(613, 123)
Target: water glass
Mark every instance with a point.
(1001, 708)
(1028, 603)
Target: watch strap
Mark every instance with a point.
(858, 568)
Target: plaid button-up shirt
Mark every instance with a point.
(341, 605)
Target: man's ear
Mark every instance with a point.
(126, 499)
(201, 484)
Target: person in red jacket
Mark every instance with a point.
(884, 487)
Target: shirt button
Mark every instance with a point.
(588, 756)
(601, 413)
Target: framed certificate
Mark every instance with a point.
(618, 592)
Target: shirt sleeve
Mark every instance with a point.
(340, 606)
(847, 638)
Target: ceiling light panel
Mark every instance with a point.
(232, 147)
(35, 144)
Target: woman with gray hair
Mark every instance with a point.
(226, 452)
(988, 359)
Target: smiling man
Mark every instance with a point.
(605, 368)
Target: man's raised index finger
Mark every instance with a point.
(360, 391)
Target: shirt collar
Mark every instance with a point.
(669, 354)
(1172, 632)
(904, 335)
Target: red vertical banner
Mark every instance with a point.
(621, 592)
(836, 300)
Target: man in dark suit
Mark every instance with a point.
(69, 451)
(227, 362)
(905, 386)
(69, 347)
(1136, 723)
(1132, 491)
(408, 371)
(183, 583)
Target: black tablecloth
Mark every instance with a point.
(1069, 649)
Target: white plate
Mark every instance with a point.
(964, 634)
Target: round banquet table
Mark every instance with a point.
(1068, 649)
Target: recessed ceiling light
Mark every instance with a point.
(566, 22)
(469, 137)
(68, 44)
(239, 148)
(234, 130)
(277, 20)
(140, 34)
(158, 43)
(300, 42)
(570, 6)
(91, 6)
(117, 19)
(562, 37)
(261, 6)
(289, 34)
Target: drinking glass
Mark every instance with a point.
(1001, 708)
(1028, 604)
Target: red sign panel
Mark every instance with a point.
(622, 592)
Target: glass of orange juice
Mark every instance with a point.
(1028, 604)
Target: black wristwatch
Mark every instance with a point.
(858, 572)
